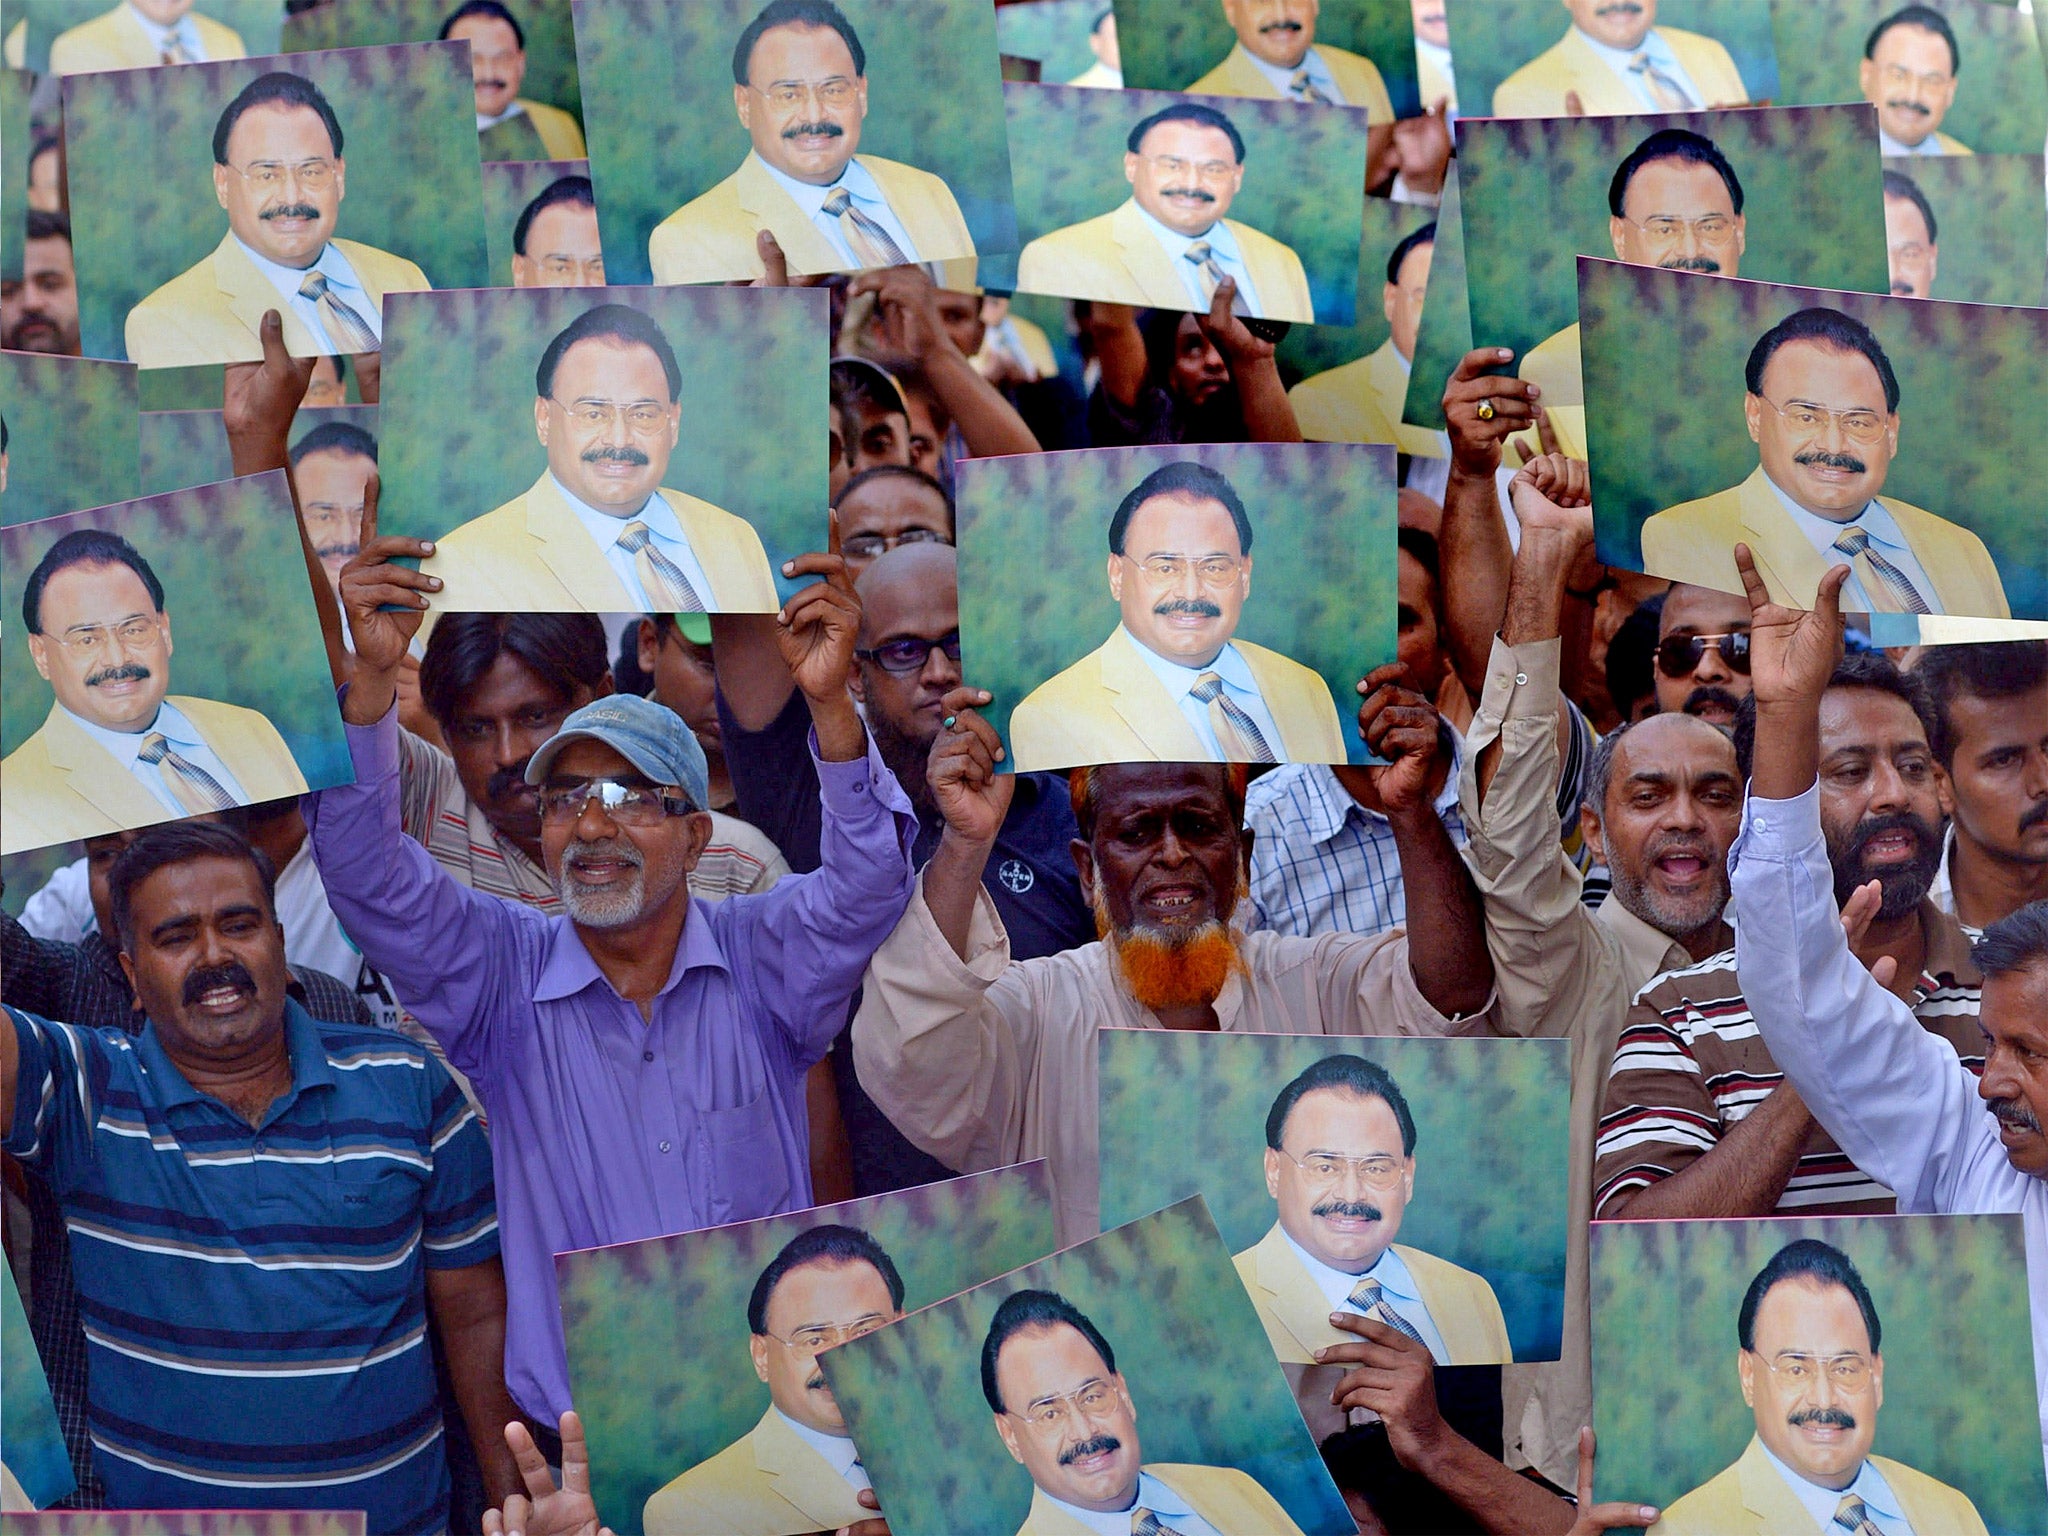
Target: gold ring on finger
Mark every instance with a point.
(1486, 411)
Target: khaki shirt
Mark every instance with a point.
(987, 1061)
(1560, 970)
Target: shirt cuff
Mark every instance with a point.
(374, 748)
(861, 788)
(1779, 831)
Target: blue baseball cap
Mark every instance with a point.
(650, 736)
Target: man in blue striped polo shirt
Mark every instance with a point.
(262, 1209)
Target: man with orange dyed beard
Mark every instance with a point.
(982, 1061)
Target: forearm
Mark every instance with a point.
(1446, 920)
(1743, 1175)
(1505, 1503)
(988, 423)
(471, 1323)
(1787, 757)
(1477, 557)
(1268, 414)
(841, 736)
(752, 677)
(952, 886)
(1120, 349)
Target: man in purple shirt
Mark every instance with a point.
(642, 1056)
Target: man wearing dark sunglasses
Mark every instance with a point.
(1702, 654)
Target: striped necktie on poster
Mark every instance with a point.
(1370, 1299)
(345, 328)
(1857, 542)
(190, 785)
(871, 243)
(1853, 1517)
(662, 579)
(1236, 732)
(1304, 89)
(1669, 95)
(1203, 255)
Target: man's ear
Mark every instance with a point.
(1745, 1370)
(1753, 416)
(1589, 830)
(1131, 163)
(39, 653)
(757, 1347)
(743, 104)
(1272, 1164)
(1615, 225)
(540, 419)
(220, 184)
(1009, 1437)
(1945, 791)
(1084, 865)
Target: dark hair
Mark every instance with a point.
(1426, 235)
(1831, 328)
(1349, 1074)
(1081, 794)
(490, 8)
(2015, 942)
(43, 143)
(1420, 545)
(1672, 144)
(84, 546)
(573, 190)
(856, 382)
(278, 88)
(566, 651)
(1107, 12)
(821, 1245)
(620, 322)
(896, 472)
(1188, 112)
(334, 437)
(340, 361)
(45, 225)
(1859, 669)
(1184, 478)
(178, 842)
(795, 13)
(1927, 19)
(2002, 670)
(1898, 184)
(1807, 1258)
(3, 431)
(1023, 1310)
(1631, 656)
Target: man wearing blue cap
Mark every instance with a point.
(641, 1055)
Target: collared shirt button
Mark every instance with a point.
(664, 1146)
(647, 1055)
(1521, 679)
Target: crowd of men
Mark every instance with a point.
(742, 918)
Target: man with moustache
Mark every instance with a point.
(1910, 236)
(1698, 1121)
(1909, 73)
(1615, 60)
(555, 241)
(331, 465)
(800, 88)
(797, 1470)
(666, 1039)
(200, 1310)
(1811, 1371)
(139, 34)
(1361, 402)
(982, 1059)
(888, 507)
(1066, 1414)
(1169, 245)
(1898, 1102)
(119, 750)
(1675, 202)
(509, 127)
(1340, 1163)
(1822, 406)
(1277, 57)
(278, 171)
(39, 309)
(1702, 655)
(1991, 741)
(598, 530)
(1107, 72)
(1171, 683)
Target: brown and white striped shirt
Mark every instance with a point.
(1690, 1065)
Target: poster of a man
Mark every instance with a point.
(1614, 59)
(1911, 237)
(800, 90)
(1340, 1167)
(1172, 683)
(1360, 401)
(1276, 55)
(598, 531)
(137, 34)
(509, 126)
(280, 175)
(797, 1470)
(555, 240)
(1911, 67)
(1107, 72)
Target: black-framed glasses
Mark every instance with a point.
(1681, 655)
(910, 654)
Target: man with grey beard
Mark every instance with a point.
(642, 1054)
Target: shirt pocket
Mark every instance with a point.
(749, 1165)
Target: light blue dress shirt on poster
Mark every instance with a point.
(185, 740)
(1887, 145)
(1885, 538)
(1173, 1512)
(1319, 75)
(1239, 686)
(1622, 62)
(1880, 1505)
(342, 282)
(660, 519)
(184, 32)
(1222, 246)
(867, 197)
(1397, 1290)
(838, 1451)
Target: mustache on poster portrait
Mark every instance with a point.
(1279, 26)
(338, 551)
(1691, 264)
(1198, 194)
(1620, 8)
(1911, 106)
(1357, 1210)
(1094, 1445)
(614, 453)
(818, 130)
(125, 672)
(1200, 607)
(208, 978)
(290, 211)
(1826, 460)
(1839, 1418)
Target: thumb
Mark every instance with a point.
(1573, 107)
(272, 334)
(773, 259)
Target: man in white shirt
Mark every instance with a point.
(1909, 72)
(1894, 1097)
(797, 1470)
(279, 173)
(1812, 1372)
(598, 531)
(1340, 1166)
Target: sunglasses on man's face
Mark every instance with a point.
(1681, 655)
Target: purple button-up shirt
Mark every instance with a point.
(605, 1127)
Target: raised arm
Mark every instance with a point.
(1119, 348)
(1268, 413)
(906, 305)
(1473, 541)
